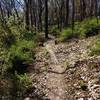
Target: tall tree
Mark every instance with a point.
(46, 18)
(73, 14)
(82, 9)
(67, 12)
(40, 14)
(27, 19)
(96, 10)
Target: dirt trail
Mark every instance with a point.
(60, 76)
(55, 82)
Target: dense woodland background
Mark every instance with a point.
(27, 24)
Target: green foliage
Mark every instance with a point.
(95, 50)
(15, 28)
(88, 27)
(67, 34)
(15, 87)
(22, 49)
(29, 36)
(4, 60)
(16, 44)
(23, 83)
(13, 58)
(10, 32)
(8, 40)
(16, 53)
(21, 52)
(83, 85)
(21, 55)
(54, 30)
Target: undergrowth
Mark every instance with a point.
(95, 49)
(88, 27)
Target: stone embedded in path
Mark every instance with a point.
(27, 98)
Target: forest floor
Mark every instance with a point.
(65, 71)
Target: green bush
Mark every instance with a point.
(29, 36)
(67, 34)
(4, 60)
(54, 30)
(16, 28)
(8, 40)
(21, 55)
(88, 27)
(23, 83)
(95, 50)
(10, 32)
(16, 53)
(22, 49)
(17, 57)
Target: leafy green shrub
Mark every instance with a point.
(8, 40)
(16, 58)
(23, 86)
(15, 28)
(4, 60)
(10, 32)
(55, 31)
(95, 50)
(22, 49)
(21, 55)
(88, 27)
(23, 83)
(67, 34)
(29, 36)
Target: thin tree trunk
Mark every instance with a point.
(73, 15)
(67, 13)
(46, 18)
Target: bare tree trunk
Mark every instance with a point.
(40, 15)
(83, 9)
(46, 18)
(91, 8)
(96, 11)
(67, 13)
(27, 19)
(61, 15)
(73, 14)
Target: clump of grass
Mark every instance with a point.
(95, 50)
(67, 34)
(55, 31)
(21, 55)
(22, 84)
(83, 85)
(88, 27)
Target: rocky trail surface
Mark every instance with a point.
(65, 71)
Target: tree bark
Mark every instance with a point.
(46, 18)
(67, 13)
(73, 14)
